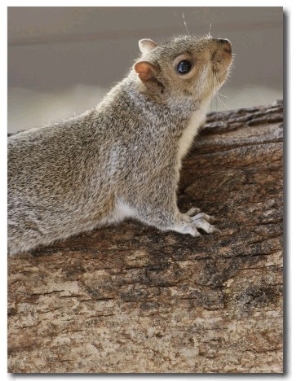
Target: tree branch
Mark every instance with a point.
(129, 298)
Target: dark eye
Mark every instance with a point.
(183, 67)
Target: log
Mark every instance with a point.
(131, 299)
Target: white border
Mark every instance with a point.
(292, 187)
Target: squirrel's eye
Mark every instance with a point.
(183, 67)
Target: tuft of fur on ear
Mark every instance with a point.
(146, 70)
(146, 45)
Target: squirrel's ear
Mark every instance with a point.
(145, 70)
(146, 45)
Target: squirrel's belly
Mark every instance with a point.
(121, 212)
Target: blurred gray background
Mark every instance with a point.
(62, 60)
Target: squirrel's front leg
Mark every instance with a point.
(162, 212)
(199, 220)
(188, 223)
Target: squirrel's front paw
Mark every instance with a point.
(195, 219)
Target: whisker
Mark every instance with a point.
(222, 95)
(222, 103)
(209, 32)
(218, 99)
(184, 22)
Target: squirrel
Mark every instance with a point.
(121, 159)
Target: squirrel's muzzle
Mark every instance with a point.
(226, 44)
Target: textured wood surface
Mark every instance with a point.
(131, 299)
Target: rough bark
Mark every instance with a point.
(129, 298)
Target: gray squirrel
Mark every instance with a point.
(121, 159)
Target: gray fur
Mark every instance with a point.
(118, 160)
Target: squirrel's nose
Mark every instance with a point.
(226, 44)
(223, 40)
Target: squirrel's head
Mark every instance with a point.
(184, 67)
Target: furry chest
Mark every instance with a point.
(187, 137)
